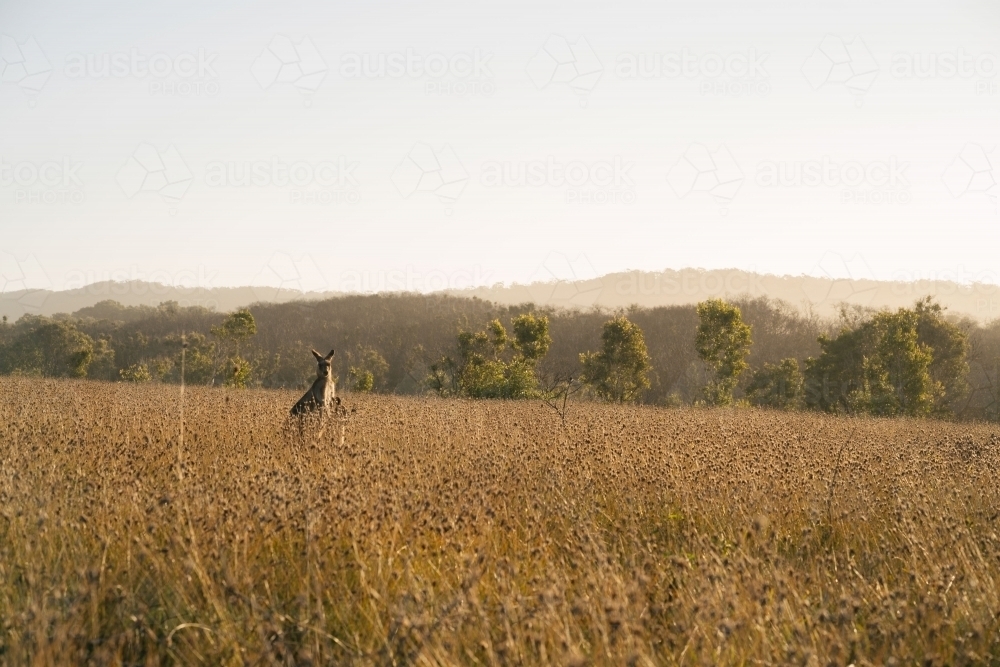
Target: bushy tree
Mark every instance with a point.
(949, 346)
(882, 366)
(102, 365)
(233, 332)
(897, 377)
(442, 377)
(137, 373)
(832, 377)
(723, 342)
(777, 385)
(531, 337)
(199, 361)
(481, 370)
(49, 348)
(238, 374)
(237, 327)
(491, 364)
(618, 372)
(369, 371)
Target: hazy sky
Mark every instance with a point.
(350, 146)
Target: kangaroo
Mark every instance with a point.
(322, 394)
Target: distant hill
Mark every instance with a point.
(140, 293)
(822, 296)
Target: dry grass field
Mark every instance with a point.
(455, 532)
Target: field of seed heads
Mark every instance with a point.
(457, 532)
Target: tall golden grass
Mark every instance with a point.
(455, 532)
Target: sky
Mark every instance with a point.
(364, 146)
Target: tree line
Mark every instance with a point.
(913, 361)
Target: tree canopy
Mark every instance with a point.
(619, 371)
(908, 362)
(492, 364)
(723, 342)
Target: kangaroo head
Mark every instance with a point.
(323, 364)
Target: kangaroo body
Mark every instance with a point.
(322, 393)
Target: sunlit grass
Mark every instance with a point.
(447, 532)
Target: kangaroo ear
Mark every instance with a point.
(330, 356)
(319, 357)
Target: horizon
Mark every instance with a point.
(822, 296)
(963, 280)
